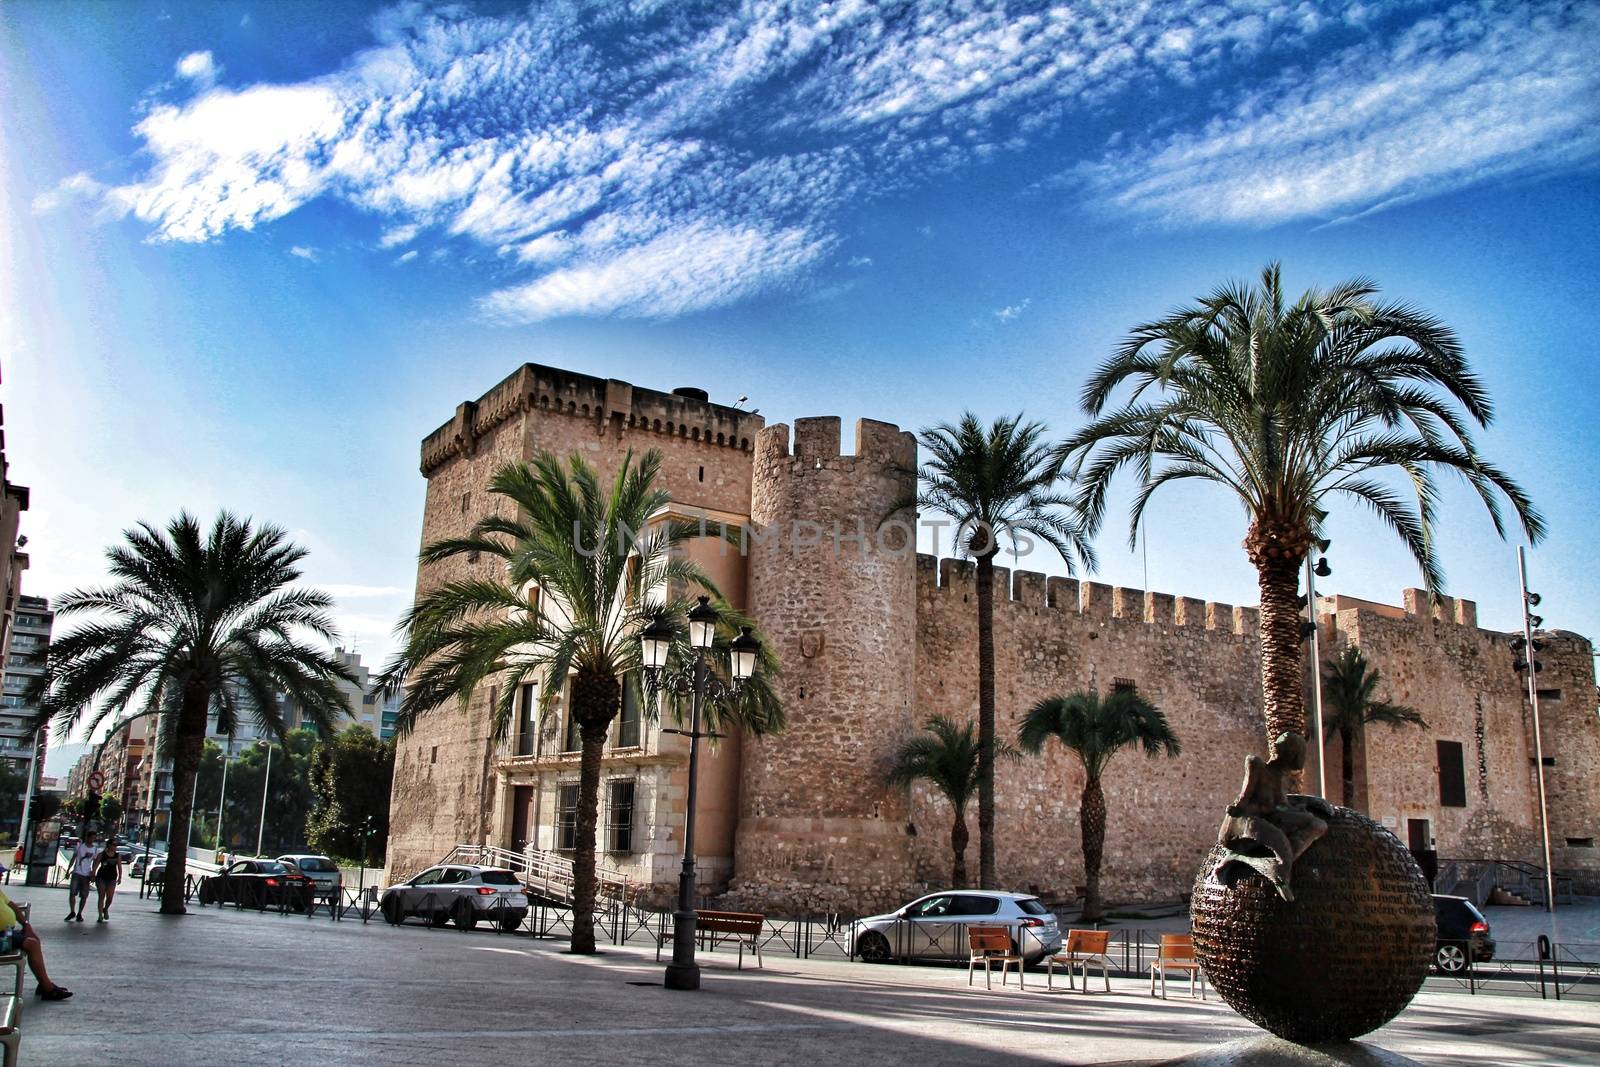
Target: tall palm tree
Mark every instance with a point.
(995, 483)
(1290, 407)
(604, 570)
(1349, 706)
(195, 624)
(1095, 730)
(946, 757)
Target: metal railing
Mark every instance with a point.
(547, 874)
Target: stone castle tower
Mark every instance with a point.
(874, 638)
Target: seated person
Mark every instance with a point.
(18, 936)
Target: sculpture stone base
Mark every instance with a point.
(1343, 958)
(1269, 1051)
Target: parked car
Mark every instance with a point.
(257, 882)
(1463, 934)
(459, 892)
(137, 865)
(323, 872)
(157, 874)
(934, 926)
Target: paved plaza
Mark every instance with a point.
(242, 987)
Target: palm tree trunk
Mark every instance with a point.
(1092, 825)
(958, 851)
(596, 699)
(188, 747)
(986, 867)
(1277, 554)
(583, 856)
(1347, 768)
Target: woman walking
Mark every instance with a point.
(107, 873)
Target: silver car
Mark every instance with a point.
(935, 926)
(462, 893)
(323, 872)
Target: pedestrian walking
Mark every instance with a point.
(107, 873)
(19, 936)
(82, 876)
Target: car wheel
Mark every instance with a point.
(510, 923)
(391, 912)
(465, 916)
(873, 947)
(1450, 958)
(438, 918)
(204, 895)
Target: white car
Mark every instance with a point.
(323, 872)
(463, 893)
(935, 926)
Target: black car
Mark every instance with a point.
(258, 883)
(1463, 935)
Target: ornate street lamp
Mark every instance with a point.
(698, 683)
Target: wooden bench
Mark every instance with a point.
(1176, 954)
(989, 945)
(1083, 947)
(715, 928)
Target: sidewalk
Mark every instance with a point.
(243, 987)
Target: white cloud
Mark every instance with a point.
(305, 253)
(406, 257)
(718, 152)
(860, 262)
(198, 67)
(1012, 311)
(1470, 96)
(77, 187)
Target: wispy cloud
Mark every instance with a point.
(655, 159)
(1013, 311)
(303, 252)
(1471, 95)
(405, 257)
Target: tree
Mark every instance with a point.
(1348, 707)
(110, 811)
(1290, 408)
(195, 623)
(585, 569)
(946, 757)
(994, 483)
(350, 778)
(1095, 730)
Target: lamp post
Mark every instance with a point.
(1321, 570)
(698, 683)
(222, 796)
(266, 779)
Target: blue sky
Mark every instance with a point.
(253, 252)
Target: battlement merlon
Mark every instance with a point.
(818, 440)
(685, 414)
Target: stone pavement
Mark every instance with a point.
(241, 987)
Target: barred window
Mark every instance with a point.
(567, 818)
(619, 816)
(1124, 685)
(628, 724)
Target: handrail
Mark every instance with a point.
(549, 874)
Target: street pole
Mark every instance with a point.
(1316, 680)
(261, 832)
(223, 798)
(683, 972)
(150, 796)
(27, 804)
(1538, 740)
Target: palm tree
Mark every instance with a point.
(586, 568)
(995, 483)
(1095, 730)
(1348, 685)
(945, 756)
(1290, 407)
(195, 624)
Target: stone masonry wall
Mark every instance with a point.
(836, 597)
(1197, 662)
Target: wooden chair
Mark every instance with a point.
(1176, 954)
(1083, 947)
(989, 945)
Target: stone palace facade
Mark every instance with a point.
(874, 638)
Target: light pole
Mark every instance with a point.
(1526, 661)
(261, 831)
(222, 798)
(699, 684)
(1321, 570)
